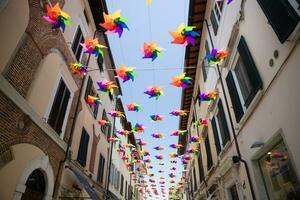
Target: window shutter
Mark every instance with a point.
(216, 137)
(76, 47)
(214, 22)
(235, 100)
(208, 153)
(281, 15)
(100, 63)
(59, 107)
(89, 87)
(225, 131)
(251, 69)
(83, 148)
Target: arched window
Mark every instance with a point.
(35, 186)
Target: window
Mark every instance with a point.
(282, 17)
(126, 185)
(216, 14)
(105, 129)
(205, 66)
(199, 93)
(208, 151)
(90, 90)
(86, 16)
(83, 148)
(122, 185)
(195, 180)
(101, 169)
(278, 174)
(244, 82)
(111, 176)
(200, 166)
(76, 47)
(220, 128)
(60, 104)
(100, 63)
(234, 193)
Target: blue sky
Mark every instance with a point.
(149, 24)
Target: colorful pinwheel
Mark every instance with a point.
(134, 107)
(172, 181)
(113, 139)
(126, 73)
(117, 114)
(114, 23)
(176, 146)
(156, 118)
(195, 139)
(173, 161)
(157, 135)
(92, 46)
(159, 148)
(154, 91)
(129, 146)
(149, 167)
(173, 168)
(161, 163)
(104, 123)
(208, 96)
(187, 157)
(178, 132)
(57, 18)
(78, 69)
(172, 175)
(173, 155)
(93, 101)
(123, 132)
(181, 81)
(138, 128)
(216, 56)
(144, 153)
(106, 86)
(193, 150)
(161, 171)
(147, 160)
(184, 35)
(159, 157)
(151, 51)
(141, 143)
(180, 113)
(201, 122)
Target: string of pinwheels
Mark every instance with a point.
(184, 35)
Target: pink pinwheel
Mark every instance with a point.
(195, 139)
(173, 168)
(172, 175)
(123, 132)
(92, 46)
(192, 150)
(208, 96)
(154, 91)
(159, 157)
(180, 113)
(176, 146)
(141, 143)
(113, 139)
(173, 161)
(114, 23)
(57, 18)
(126, 73)
(151, 51)
(106, 86)
(159, 148)
(157, 135)
(116, 114)
(178, 132)
(147, 160)
(187, 157)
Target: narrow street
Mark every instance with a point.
(149, 99)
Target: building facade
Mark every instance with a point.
(249, 149)
(52, 146)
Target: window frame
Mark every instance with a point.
(100, 172)
(78, 159)
(92, 92)
(217, 13)
(80, 39)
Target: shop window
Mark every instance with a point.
(278, 173)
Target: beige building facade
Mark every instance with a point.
(260, 84)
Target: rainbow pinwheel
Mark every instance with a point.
(117, 114)
(57, 18)
(144, 153)
(113, 139)
(126, 73)
(184, 35)
(138, 128)
(173, 161)
(208, 96)
(185, 162)
(161, 171)
(114, 23)
(78, 69)
(172, 175)
(178, 132)
(229, 1)
(180, 113)
(151, 51)
(173, 168)
(161, 163)
(181, 81)
(176, 146)
(187, 157)
(152, 181)
(172, 181)
(134, 107)
(154, 91)
(149, 167)
(141, 143)
(159, 157)
(129, 146)
(161, 182)
(104, 123)
(193, 150)
(157, 135)
(195, 139)
(200, 122)
(159, 148)
(93, 101)
(147, 160)
(123, 132)
(106, 86)
(216, 56)
(173, 155)
(92, 46)
(156, 118)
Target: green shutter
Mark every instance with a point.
(216, 137)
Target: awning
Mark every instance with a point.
(85, 184)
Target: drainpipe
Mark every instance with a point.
(230, 119)
(110, 155)
(62, 162)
